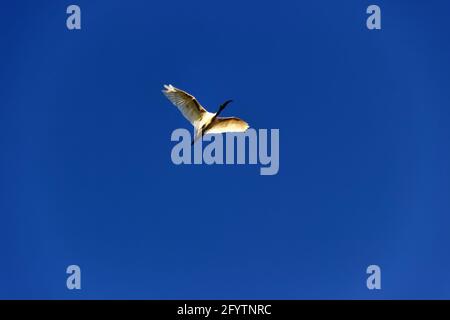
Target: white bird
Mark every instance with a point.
(203, 121)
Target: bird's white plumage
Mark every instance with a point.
(230, 124)
(187, 104)
(199, 117)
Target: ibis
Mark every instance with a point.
(204, 122)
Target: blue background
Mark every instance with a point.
(86, 176)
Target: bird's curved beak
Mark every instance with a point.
(225, 104)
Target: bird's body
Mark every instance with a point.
(203, 121)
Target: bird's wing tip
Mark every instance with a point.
(169, 88)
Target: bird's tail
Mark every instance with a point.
(198, 135)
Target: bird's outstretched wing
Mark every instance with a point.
(186, 103)
(228, 124)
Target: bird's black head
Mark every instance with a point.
(223, 105)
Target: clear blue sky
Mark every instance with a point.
(86, 176)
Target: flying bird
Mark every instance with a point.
(203, 121)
